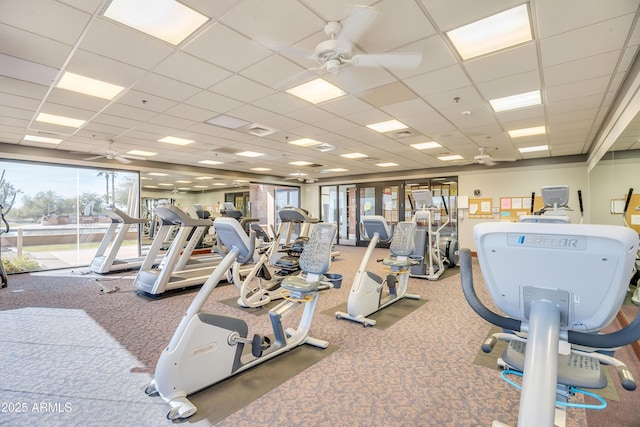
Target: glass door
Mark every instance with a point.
(386, 199)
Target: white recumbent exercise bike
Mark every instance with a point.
(559, 284)
(366, 296)
(207, 348)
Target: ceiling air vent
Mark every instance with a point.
(323, 147)
(259, 130)
(402, 134)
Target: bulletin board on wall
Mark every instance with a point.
(480, 208)
(511, 208)
(632, 217)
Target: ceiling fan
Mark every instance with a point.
(110, 154)
(486, 159)
(337, 52)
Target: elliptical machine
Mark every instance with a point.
(365, 297)
(439, 254)
(208, 347)
(554, 315)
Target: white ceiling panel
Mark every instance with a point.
(242, 89)
(226, 48)
(438, 81)
(604, 37)
(32, 47)
(189, 69)
(107, 38)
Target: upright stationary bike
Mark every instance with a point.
(366, 296)
(208, 347)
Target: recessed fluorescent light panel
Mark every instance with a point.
(44, 139)
(209, 162)
(158, 174)
(260, 169)
(316, 91)
(387, 126)
(227, 122)
(354, 155)
(88, 86)
(175, 141)
(300, 163)
(249, 154)
(386, 164)
(305, 142)
(333, 170)
(181, 181)
(533, 149)
(204, 177)
(496, 32)
(451, 157)
(59, 120)
(518, 133)
(514, 102)
(167, 20)
(426, 145)
(144, 154)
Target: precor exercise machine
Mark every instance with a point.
(178, 268)
(4, 224)
(555, 201)
(208, 347)
(257, 284)
(559, 284)
(105, 259)
(366, 296)
(439, 254)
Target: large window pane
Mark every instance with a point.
(57, 213)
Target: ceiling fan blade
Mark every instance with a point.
(354, 26)
(388, 60)
(122, 159)
(94, 158)
(488, 162)
(126, 156)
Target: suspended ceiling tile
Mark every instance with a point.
(123, 44)
(401, 22)
(77, 100)
(32, 47)
(166, 87)
(603, 37)
(388, 94)
(284, 21)
(277, 71)
(435, 54)
(438, 81)
(558, 17)
(213, 102)
(509, 62)
(408, 108)
(185, 111)
(146, 101)
(461, 97)
(36, 17)
(16, 104)
(581, 69)
(281, 103)
(252, 114)
(241, 88)
(189, 69)
(512, 85)
(22, 88)
(98, 67)
(580, 88)
(344, 105)
(226, 48)
(311, 114)
(128, 112)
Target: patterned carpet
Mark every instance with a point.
(419, 371)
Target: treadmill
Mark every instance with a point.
(178, 269)
(105, 260)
